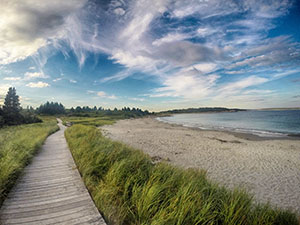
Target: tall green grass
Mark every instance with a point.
(129, 189)
(17, 146)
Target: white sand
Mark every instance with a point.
(269, 169)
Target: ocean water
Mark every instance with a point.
(263, 123)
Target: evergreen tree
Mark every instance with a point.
(1, 117)
(11, 103)
(51, 108)
(78, 109)
(11, 108)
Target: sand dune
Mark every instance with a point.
(269, 169)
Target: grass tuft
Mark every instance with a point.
(129, 189)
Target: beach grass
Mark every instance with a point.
(128, 188)
(93, 121)
(18, 144)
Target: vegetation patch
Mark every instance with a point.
(12, 114)
(128, 188)
(17, 146)
(93, 121)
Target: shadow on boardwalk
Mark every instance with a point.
(51, 190)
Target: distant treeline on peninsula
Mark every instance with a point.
(201, 110)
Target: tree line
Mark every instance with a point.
(201, 110)
(55, 108)
(12, 114)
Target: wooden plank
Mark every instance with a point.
(51, 190)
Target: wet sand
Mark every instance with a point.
(268, 169)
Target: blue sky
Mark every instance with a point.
(154, 55)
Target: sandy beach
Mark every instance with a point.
(268, 169)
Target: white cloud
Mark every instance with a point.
(57, 79)
(4, 89)
(37, 84)
(143, 13)
(102, 94)
(256, 91)
(112, 97)
(119, 11)
(34, 75)
(187, 84)
(12, 78)
(234, 91)
(119, 76)
(132, 61)
(236, 86)
(170, 38)
(206, 31)
(285, 73)
(90, 92)
(205, 67)
(137, 99)
(73, 81)
(26, 26)
(31, 68)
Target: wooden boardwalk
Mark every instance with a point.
(51, 190)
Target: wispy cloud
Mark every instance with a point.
(39, 84)
(12, 78)
(34, 75)
(27, 26)
(102, 94)
(234, 87)
(57, 79)
(256, 91)
(73, 81)
(137, 99)
(187, 84)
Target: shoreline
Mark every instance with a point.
(244, 135)
(266, 168)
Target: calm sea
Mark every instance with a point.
(262, 123)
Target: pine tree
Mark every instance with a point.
(51, 108)
(11, 102)
(1, 117)
(11, 108)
